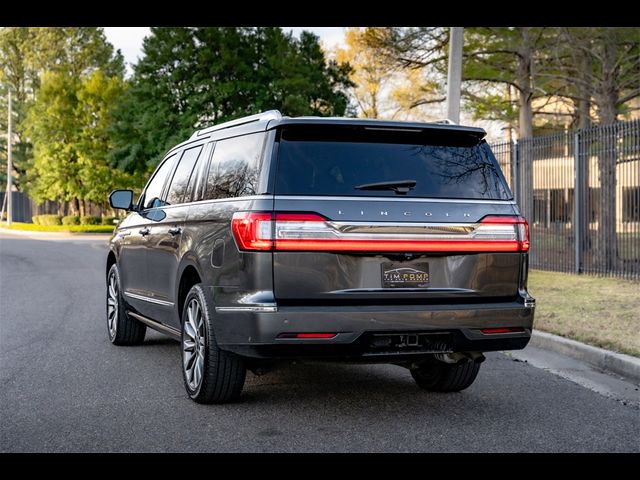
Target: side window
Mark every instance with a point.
(234, 168)
(153, 193)
(180, 181)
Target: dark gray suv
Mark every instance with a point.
(270, 238)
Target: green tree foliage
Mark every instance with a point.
(25, 54)
(68, 124)
(190, 78)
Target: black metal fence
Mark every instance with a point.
(22, 207)
(580, 192)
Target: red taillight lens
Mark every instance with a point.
(491, 331)
(252, 230)
(312, 232)
(308, 335)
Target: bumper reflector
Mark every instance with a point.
(491, 331)
(308, 335)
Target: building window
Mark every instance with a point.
(631, 204)
(559, 206)
(540, 207)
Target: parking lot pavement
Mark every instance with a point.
(66, 388)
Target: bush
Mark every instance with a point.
(47, 220)
(108, 220)
(71, 220)
(89, 220)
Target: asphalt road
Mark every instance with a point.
(64, 387)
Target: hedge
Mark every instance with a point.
(71, 220)
(89, 220)
(108, 220)
(47, 220)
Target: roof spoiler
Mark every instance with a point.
(264, 116)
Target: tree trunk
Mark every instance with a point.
(583, 107)
(74, 206)
(525, 122)
(83, 208)
(606, 102)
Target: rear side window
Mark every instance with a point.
(180, 181)
(234, 167)
(333, 161)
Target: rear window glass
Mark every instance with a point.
(335, 161)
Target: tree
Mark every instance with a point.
(68, 125)
(370, 72)
(19, 76)
(596, 66)
(26, 53)
(416, 58)
(190, 78)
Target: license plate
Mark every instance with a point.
(403, 275)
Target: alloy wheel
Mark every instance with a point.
(112, 304)
(193, 344)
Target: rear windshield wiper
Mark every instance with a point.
(399, 186)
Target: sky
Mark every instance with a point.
(129, 39)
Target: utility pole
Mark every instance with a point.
(9, 164)
(454, 75)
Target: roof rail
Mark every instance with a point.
(268, 115)
(445, 121)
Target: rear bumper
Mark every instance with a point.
(255, 333)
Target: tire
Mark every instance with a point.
(211, 375)
(437, 376)
(121, 328)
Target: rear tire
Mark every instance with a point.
(211, 375)
(437, 376)
(122, 329)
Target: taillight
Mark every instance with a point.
(252, 230)
(511, 228)
(313, 232)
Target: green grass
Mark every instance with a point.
(604, 312)
(32, 227)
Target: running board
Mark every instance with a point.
(172, 332)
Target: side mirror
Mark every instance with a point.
(121, 199)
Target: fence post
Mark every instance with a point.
(579, 199)
(515, 171)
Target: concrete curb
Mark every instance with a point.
(57, 235)
(606, 360)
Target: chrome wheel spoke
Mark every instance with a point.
(189, 331)
(189, 346)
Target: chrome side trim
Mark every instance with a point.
(164, 303)
(173, 332)
(247, 308)
(393, 199)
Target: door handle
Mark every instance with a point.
(175, 231)
(144, 231)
